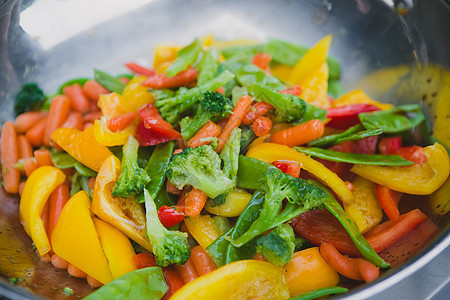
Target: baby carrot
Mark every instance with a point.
(92, 116)
(10, 156)
(92, 89)
(257, 110)
(35, 134)
(210, 129)
(76, 272)
(59, 109)
(342, 264)
(121, 122)
(262, 126)
(239, 111)
(43, 158)
(194, 203)
(29, 165)
(144, 260)
(173, 280)
(300, 134)
(78, 100)
(93, 283)
(161, 81)
(24, 146)
(59, 262)
(187, 271)
(369, 272)
(74, 120)
(58, 198)
(202, 261)
(26, 120)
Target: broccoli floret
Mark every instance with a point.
(301, 196)
(132, 179)
(288, 108)
(169, 246)
(30, 97)
(199, 167)
(278, 246)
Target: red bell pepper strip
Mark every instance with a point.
(343, 117)
(388, 146)
(161, 81)
(289, 167)
(140, 70)
(153, 120)
(121, 122)
(413, 153)
(169, 217)
(262, 60)
(389, 201)
(149, 137)
(296, 90)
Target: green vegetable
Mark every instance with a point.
(315, 294)
(251, 171)
(169, 246)
(353, 133)
(249, 50)
(67, 291)
(222, 224)
(278, 246)
(208, 66)
(78, 183)
(201, 168)
(171, 109)
(278, 186)
(335, 88)
(14, 280)
(79, 81)
(356, 158)
(157, 165)
(146, 283)
(185, 57)
(312, 112)
(83, 170)
(109, 82)
(219, 200)
(62, 159)
(301, 243)
(230, 155)
(29, 98)
(162, 94)
(249, 74)
(237, 92)
(247, 137)
(288, 108)
(397, 119)
(132, 179)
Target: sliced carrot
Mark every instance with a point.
(43, 158)
(76, 272)
(389, 201)
(26, 120)
(121, 122)
(59, 110)
(300, 134)
(9, 157)
(187, 271)
(202, 261)
(78, 101)
(210, 129)
(25, 149)
(239, 111)
(92, 89)
(29, 165)
(58, 198)
(74, 120)
(92, 116)
(161, 81)
(174, 282)
(59, 262)
(262, 126)
(35, 135)
(257, 110)
(194, 203)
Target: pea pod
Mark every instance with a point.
(241, 49)
(156, 166)
(250, 74)
(109, 82)
(331, 290)
(250, 171)
(208, 66)
(186, 57)
(356, 158)
(353, 133)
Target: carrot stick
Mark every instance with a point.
(92, 116)
(342, 264)
(74, 120)
(58, 198)
(257, 110)
(26, 120)
(59, 109)
(76, 272)
(300, 134)
(35, 134)
(187, 271)
(210, 129)
(161, 81)
(24, 146)
(78, 100)
(173, 280)
(194, 203)
(29, 165)
(59, 262)
(239, 111)
(121, 122)
(9, 156)
(43, 158)
(144, 260)
(92, 89)
(202, 261)
(388, 200)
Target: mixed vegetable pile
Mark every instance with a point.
(230, 169)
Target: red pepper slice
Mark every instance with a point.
(149, 137)
(169, 217)
(343, 117)
(413, 153)
(389, 201)
(289, 167)
(152, 120)
(390, 145)
(140, 70)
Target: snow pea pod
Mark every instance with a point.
(208, 66)
(250, 74)
(186, 56)
(356, 158)
(331, 290)
(353, 133)
(111, 83)
(250, 171)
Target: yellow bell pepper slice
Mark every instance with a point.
(439, 201)
(112, 105)
(270, 152)
(134, 96)
(208, 40)
(124, 214)
(307, 271)
(76, 240)
(108, 138)
(417, 179)
(282, 71)
(164, 53)
(234, 205)
(358, 97)
(82, 146)
(245, 279)
(313, 59)
(203, 229)
(315, 87)
(117, 248)
(41, 183)
(366, 210)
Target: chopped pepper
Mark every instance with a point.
(169, 217)
(106, 137)
(203, 229)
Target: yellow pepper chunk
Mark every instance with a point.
(439, 201)
(359, 97)
(208, 40)
(417, 179)
(164, 53)
(41, 183)
(311, 61)
(124, 214)
(270, 152)
(234, 205)
(135, 95)
(315, 87)
(76, 240)
(366, 210)
(108, 138)
(203, 229)
(282, 71)
(307, 271)
(117, 248)
(82, 146)
(245, 279)
(112, 105)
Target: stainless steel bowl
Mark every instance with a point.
(397, 51)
